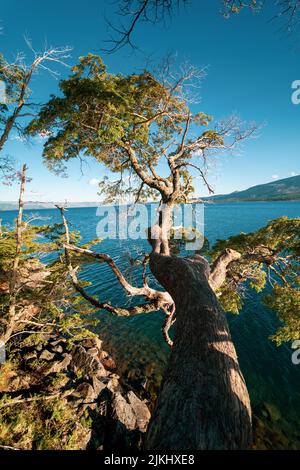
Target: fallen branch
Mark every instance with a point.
(8, 447)
(18, 400)
(170, 320)
(158, 299)
(163, 299)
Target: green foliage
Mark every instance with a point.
(279, 235)
(47, 289)
(46, 307)
(7, 370)
(31, 244)
(100, 114)
(270, 256)
(259, 279)
(13, 76)
(285, 300)
(179, 236)
(230, 299)
(40, 425)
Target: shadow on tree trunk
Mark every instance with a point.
(203, 402)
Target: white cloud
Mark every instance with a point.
(275, 177)
(293, 173)
(93, 182)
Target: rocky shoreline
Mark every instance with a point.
(84, 379)
(109, 411)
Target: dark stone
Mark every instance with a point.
(123, 412)
(57, 349)
(46, 355)
(87, 363)
(113, 384)
(141, 411)
(58, 341)
(109, 363)
(98, 386)
(93, 352)
(60, 366)
(83, 396)
(93, 342)
(30, 355)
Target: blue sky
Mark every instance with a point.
(251, 67)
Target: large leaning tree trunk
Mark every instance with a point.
(203, 402)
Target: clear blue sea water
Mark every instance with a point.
(137, 342)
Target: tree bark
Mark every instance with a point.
(11, 321)
(14, 272)
(219, 268)
(203, 402)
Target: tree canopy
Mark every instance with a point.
(132, 123)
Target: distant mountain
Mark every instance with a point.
(281, 190)
(32, 205)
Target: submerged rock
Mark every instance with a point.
(109, 363)
(273, 412)
(271, 431)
